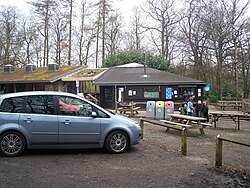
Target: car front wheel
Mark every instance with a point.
(117, 142)
(12, 144)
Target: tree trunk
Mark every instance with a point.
(70, 33)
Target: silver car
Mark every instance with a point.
(44, 119)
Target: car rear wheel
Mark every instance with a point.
(12, 144)
(117, 142)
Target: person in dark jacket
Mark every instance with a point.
(185, 96)
(198, 109)
(204, 110)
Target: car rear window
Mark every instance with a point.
(12, 105)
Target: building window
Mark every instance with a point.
(151, 93)
(190, 91)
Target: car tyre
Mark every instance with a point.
(117, 142)
(12, 144)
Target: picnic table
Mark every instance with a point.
(233, 115)
(186, 121)
(128, 107)
(230, 103)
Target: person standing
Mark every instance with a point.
(204, 110)
(198, 109)
(190, 107)
(185, 96)
(183, 109)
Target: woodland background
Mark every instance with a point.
(208, 40)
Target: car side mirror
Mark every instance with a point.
(93, 114)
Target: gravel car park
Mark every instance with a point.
(155, 162)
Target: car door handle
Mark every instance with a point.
(28, 120)
(66, 122)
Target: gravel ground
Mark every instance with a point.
(155, 162)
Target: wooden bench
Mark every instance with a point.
(219, 139)
(132, 111)
(163, 124)
(124, 110)
(234, 104)
(179, 126)
(175, 125)
(204, 124)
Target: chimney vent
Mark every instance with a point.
(52, 67)
(9, 68)
(30, 68)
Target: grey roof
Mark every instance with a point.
(124, 75)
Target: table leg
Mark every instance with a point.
(214, 119)
(167, 129)
(238, 120)
(202, 131)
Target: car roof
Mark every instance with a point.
(26, 93)
(58, 93)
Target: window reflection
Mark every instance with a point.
(74, 107)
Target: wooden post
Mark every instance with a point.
(131, 108)
(142, 128)
(218, 158)
(201, 128)
(184, 142)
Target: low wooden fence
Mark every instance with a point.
(246, 106)
(219, 140)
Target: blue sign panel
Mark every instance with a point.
(168, 93)
(207, 87)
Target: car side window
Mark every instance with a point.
(74, 107)
(13, 105)
(40, 104)
(101, 114)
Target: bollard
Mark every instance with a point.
(184, 141)
(142, 128)
(218, 158)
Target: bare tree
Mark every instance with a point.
(101, 24)
(133, 37)
(70, 30)
(60, 35)
(30, 34)
(164, 19)
(87, 33)
(43, 10)
(244, 59)
(113, 33)
(235, 10)
(8, 34)
(194, 39)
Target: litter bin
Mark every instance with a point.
(169, 109)
(159, 110)
(150, 109)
